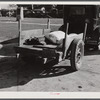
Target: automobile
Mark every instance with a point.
(39, 13)
(29, 13)
(77, 16)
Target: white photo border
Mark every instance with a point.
(50, 95)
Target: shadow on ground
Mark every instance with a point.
(92, 52)
(28, 71)
(13, 40)
(15, 72)
(8, 72)
(7, 47)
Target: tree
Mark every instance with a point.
(12, 6)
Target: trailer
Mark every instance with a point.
(70, 46)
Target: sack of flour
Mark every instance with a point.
(56, 37)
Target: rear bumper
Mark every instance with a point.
(92, 42)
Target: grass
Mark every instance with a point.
(33, 20)
(9, 26)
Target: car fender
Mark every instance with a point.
(71, 37)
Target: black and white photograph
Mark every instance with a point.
(49, 47)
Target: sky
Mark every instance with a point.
(7, 6)
(3, 5)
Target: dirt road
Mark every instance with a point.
(16, 75)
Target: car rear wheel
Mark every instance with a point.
(77, 52)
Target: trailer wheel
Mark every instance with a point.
(77, 52)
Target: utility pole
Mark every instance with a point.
(21, 13)
(32, 7)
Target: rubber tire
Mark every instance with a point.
(76, 44)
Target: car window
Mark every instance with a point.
(77, 11)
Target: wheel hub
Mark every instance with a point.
(78, 56)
